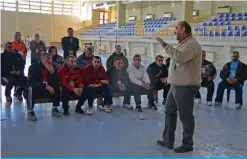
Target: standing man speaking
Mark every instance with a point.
(185, 79)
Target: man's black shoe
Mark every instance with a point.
(161, 143)
(182, 149)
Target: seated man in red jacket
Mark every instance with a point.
(72, 84)
(97, 82)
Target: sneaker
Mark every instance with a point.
(32, 116)
(107, 109)
(9, 99)
(56, 113)
(209, 103)
(19, 97)
(182, 149)
(90, 111)
(152, 106)
(199, 101)
(110, 106)
(128, 106)
(79, 110)
(217, 104)
(238, 106)
(139, 108)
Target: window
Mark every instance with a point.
(8, 5)
(103, 18)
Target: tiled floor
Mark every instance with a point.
(220, 132)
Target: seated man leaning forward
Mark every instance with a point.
(72, 84)
(208, 73)
(233, 74)
(119, 81)
(97, 83)
(43, 81)
(158, 74)
(139, 82)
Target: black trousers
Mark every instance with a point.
(92, 92)
(18, 81)
(33, 93)
(137, 91)
(210, 88)
(66, 96)
(156, 87)
(127, 95)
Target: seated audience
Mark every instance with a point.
(11, 67)
(117, 53)
(97, 82)
(43, 82)
(119, 81)
(57, 60)
(233, 75)
(139, 82)
(37, 47)
(158, 74)
(86, 58)
(72, 84)
(20, 47)
(208, 73)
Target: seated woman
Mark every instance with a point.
(57, 60)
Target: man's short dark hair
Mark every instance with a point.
(45, 54)
(117, 46)
(97, 57)
(69, 29)
(136, 56)
(117, 59)
(159, 56)
(235, 52)
(186, 25)
(89, 49)
(70, 56)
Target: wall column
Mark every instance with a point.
(187, 10)
(152, 50)
(121, 10)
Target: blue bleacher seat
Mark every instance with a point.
(216, 24)
(245, 14)
(229, 23)
(205, 24)
(217, 33)
(229, 28)
(236, 28)
(244, 28)
(227, 15)
(233, 15)
(230, 33)
(221, 15)
(240, 18)
(237, 33)
(227, 19)
(222, 23)
(245, 18)
(215, 19)
(223, 33)
(233, 19)
(245, 33)
(210, 24)
(211, 33)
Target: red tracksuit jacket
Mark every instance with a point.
(20, 46)
(67, 76)
(94, 76)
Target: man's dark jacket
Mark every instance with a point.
(67, 45)
(241, 73)
(113, 77)
(156, 72)
(10, 62)
(209, 67)
(35, 76)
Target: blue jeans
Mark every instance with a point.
(238, 87)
